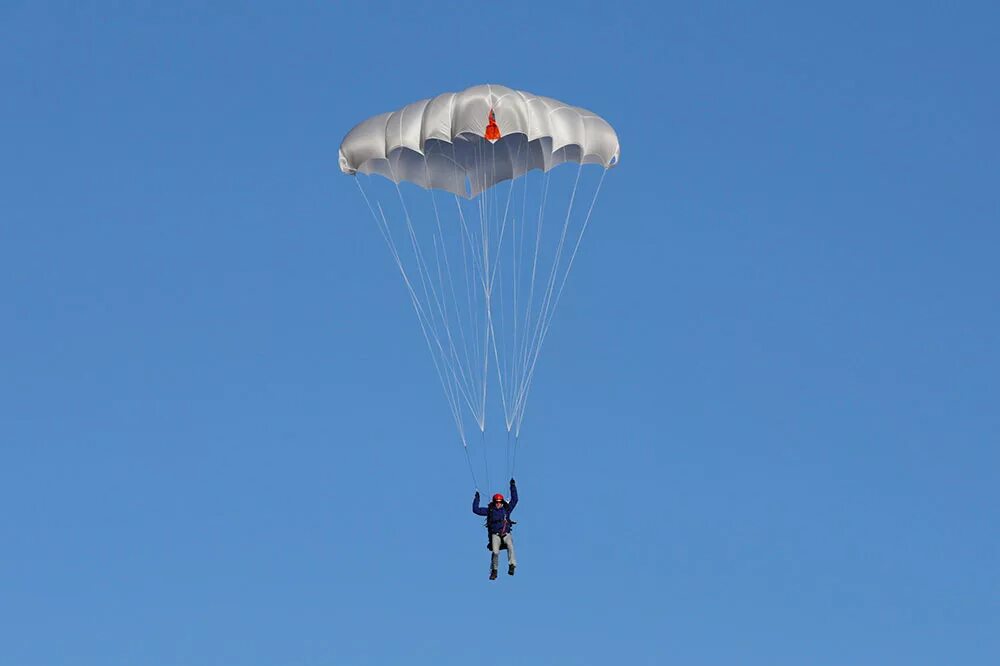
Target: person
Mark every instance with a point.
(498, 525)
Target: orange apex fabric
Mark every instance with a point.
(492, 130)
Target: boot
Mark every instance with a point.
(510, 569)
(493, 574)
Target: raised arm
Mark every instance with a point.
(476, 508)
(513, 496)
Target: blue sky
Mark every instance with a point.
(764, 429)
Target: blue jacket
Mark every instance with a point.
(497, 520)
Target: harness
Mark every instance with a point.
(510, 523)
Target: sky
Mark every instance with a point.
(764, 425)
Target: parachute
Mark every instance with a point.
(465, 201)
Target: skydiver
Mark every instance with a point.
(498, 526)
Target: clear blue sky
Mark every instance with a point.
(765, 426)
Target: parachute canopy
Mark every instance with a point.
(467, 142)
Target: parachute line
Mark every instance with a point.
(485, 281)
(383, 226)
(569, 267)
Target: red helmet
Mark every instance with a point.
(498, 497)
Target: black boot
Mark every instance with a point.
(493, 574)
(510, 569)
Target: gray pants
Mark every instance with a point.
(495, 541)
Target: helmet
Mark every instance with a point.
(498, 497)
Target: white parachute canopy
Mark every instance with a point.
(437, 143)
(486, 249)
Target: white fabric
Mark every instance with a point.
(440, 143)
